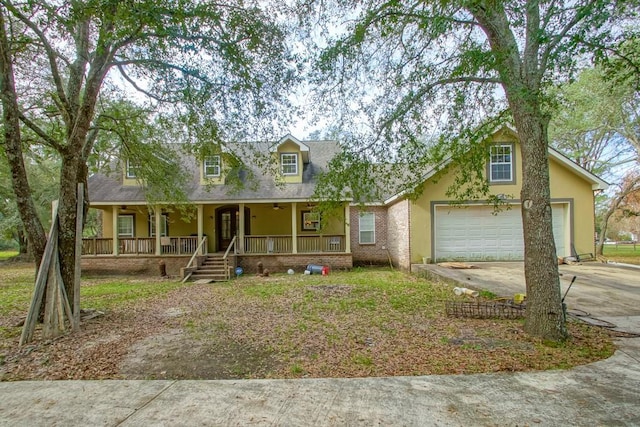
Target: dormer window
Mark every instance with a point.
(501, 164)
(289, 163)
(212, 166)
(132, 169)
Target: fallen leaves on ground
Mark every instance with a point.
(345, 325)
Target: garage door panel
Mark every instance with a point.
(475, 233)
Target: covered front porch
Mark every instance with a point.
(274, 228)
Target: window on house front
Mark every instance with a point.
(310, 220)
(132, 168)
(164, 227)
(125, 226)
(212, 166)
(289, 163)
(501, 163)
(367, 228)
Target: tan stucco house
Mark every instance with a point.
(274, 221)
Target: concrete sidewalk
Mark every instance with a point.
(602, 393)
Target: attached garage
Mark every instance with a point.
(477, 233)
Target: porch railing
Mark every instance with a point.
(178, 245)
(97, 246)
(283, 244)
(268, 245)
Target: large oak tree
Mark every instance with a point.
(220, 66)
(405, 70)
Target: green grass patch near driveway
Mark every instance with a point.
(625, 253)
(367, 322)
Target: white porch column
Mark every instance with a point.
(347, 228)
(114, 220)
(157, 215)
(201, 227)
(294, 228)
(240, 242)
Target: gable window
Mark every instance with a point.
(212, 166)
(125, 226)
(289, 163)
(367, 228)
(132, 168)
(501, 163)
(164, 225)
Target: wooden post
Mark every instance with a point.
(50, 325)
(201, 227)
(41, 282)
(75, 320)
(294, 228)
(347, 228)
(157, 214)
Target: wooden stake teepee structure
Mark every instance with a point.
(49, 281)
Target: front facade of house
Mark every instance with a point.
(270, 221)
(275, 224)
(431, 229)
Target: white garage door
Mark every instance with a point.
(475, 233)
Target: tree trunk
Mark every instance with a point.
(22, 241)
(67, 222)
(521, 77)
(13, 149)
(545, 317)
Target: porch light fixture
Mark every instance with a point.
(276, 207)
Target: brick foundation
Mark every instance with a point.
(148, 265)
(298, 262)
(125, 265)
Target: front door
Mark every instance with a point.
(228, 225)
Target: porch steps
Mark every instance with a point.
(214, 268)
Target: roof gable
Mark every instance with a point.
(596, 182)
(304, 148)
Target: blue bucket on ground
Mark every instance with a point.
(318, 269)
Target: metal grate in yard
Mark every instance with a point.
(484, 310)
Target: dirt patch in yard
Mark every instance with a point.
(363, 323)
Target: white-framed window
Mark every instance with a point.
(310, 220)
(501, 163)
(212, 166)
(164, 225)
(125, 226)
(367, 228)
(132, 168)
(289, 163)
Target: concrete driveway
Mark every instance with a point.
(606, 291)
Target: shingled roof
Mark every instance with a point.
(109, 188)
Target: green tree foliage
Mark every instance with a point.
(596, 124)
(593, 123)
(399, 73)
(218, 70)
(43, 171)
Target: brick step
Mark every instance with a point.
(210, 271)
(213, 268)
(213, 262)
(213, 278)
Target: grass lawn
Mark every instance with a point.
(626, 253)
(4, 255)
(368, 322)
